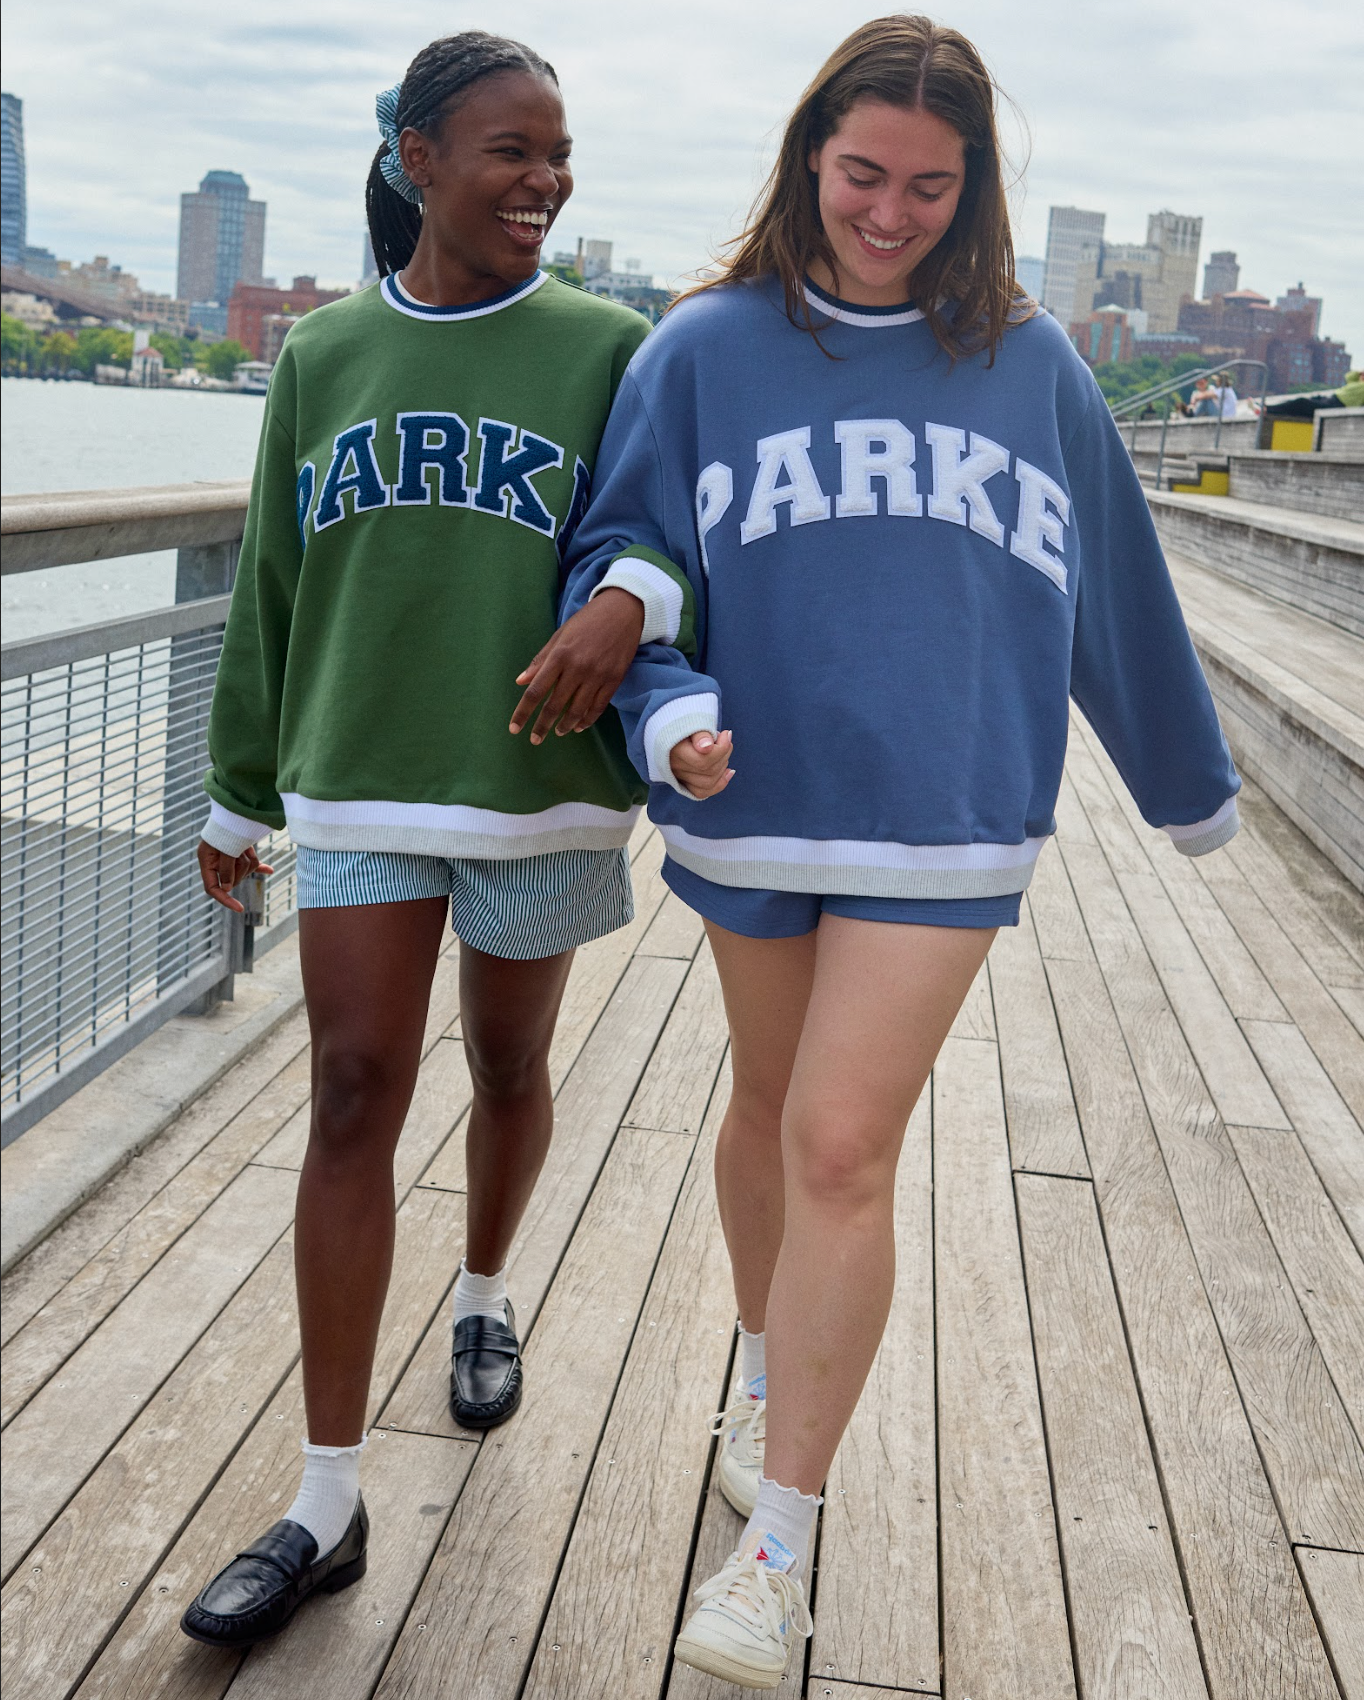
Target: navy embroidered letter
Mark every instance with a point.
(353, 468)
(303, 498)
(431, 439)
(500, 472)
(582, 487)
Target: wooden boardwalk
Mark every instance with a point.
(1110, 1448)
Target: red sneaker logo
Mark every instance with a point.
(763, 1556)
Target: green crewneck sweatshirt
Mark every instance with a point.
(420, 471)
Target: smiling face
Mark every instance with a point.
(493, 179)
(889, 183)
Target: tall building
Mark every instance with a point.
(1157, 275)
(222, 239)
(1297, 300)
(594, 258)
(1069, 231)
(1221, 274)
(259, 315)
(369, 266)
(13, 182)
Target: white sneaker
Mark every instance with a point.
(742, 1427)
(741, 1630)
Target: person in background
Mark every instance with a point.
(1350, 394)
(1226, 397)
(425, 456)
(1203, 401)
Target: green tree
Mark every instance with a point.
(18, 346)
(569, 274)
(59, 352)
(170, 348)
(98, 345)
(224, 358)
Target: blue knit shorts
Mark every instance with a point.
(520, 908)
(764, 914)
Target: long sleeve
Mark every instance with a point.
(641, 534)
(1134, 672)
(243, 730)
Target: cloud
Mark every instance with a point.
(1245, 112)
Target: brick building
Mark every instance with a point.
(1284, 336)
(251, 305)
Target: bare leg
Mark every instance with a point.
(767, 987)
(507, 1015)
(883, 999)
(367, 976)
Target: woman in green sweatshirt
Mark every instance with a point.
(425, 457)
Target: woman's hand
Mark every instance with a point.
(701, 763)
(220, 872)
(576, 674)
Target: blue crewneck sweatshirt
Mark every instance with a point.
(886, 574)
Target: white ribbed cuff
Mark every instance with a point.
(668, 726)
(232, 834)
(661, 596)
(1201, 836)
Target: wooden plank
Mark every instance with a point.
(1128, 1614)
(676, 930)
(1351, 1000)
(976, 1017)
(439, 1100)
(148, 1654)
(877, 1619)
(587, 1113)
(81, 1577)
(1325, 1268)
(1312, 1457)
(824, 1689)
(677, 1084)
(1055, 913)
(62, 1433)
(484, 1595)
(1234, 1079)
(1003, 1604)
(263, 1084)
(1329, 1133)
(1335, 1581)
(610, 1621)
(1248, 994)
(1044, 1131)
(1256, 1631)
(1316, 905)
(339, 1646)
(1324, 1025)
(77, 1309)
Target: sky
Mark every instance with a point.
(1246, 112)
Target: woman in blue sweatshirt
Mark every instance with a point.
(883, 530)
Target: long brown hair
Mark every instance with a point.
(965, 286)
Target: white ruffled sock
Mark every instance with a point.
(480, 1295)
(782, 1526)
(327, 1494)
(753, 1362)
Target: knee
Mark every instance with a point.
(755, 1112)
(358, 1103)
(839, 1164)
(506, 1073)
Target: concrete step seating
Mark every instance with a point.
(1310, 561)
(1290, 692)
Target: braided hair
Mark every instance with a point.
(437, 78)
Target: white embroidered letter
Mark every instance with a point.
(714, 493)
(892, 458)
(959, 479)
(787, 452)
(1043, 515)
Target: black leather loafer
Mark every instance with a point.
(262, 1588)
(485, 1371)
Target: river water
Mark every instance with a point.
(73, 436)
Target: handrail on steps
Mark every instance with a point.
(1137, 404)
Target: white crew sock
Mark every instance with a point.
(753, 1362)
(328, 1492)
(782, 1524)
(480, 1295)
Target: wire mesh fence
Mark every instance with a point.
(102, 916)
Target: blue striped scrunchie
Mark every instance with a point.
(391, 165)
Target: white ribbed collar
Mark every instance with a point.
(867, 318)
(402, 301)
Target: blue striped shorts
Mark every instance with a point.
(521, 908)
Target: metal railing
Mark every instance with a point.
(106, 930)
(1169, 389)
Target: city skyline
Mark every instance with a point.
(290, 105)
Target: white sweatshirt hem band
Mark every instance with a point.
(454, 829)
(851, 868)
(661, 596)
